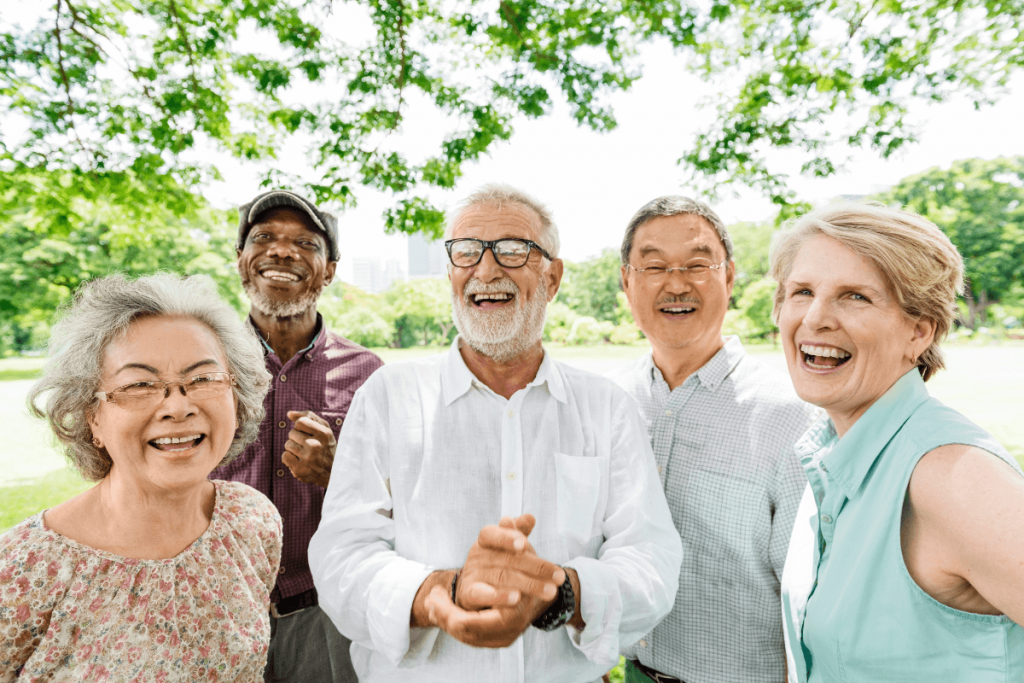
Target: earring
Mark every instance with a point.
(96, 442)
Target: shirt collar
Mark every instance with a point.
(319, 339)
(855, 453)
(712, 373)
(457, 379)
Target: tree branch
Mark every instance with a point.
(401, 68)
(65, 80)
(188, 47)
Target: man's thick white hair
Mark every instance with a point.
(497, 194)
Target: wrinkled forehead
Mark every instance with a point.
(495, 221)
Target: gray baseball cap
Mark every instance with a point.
(324, 221)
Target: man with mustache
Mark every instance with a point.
(287, 254)
(723, 427)
(505, 520)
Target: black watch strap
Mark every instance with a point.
(561, 610)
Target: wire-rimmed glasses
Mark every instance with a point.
(510, 252)
(140, 395)
(657, 272)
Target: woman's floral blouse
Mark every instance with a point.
(69, 612)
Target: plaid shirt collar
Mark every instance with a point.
(712, 373)
(316, 346)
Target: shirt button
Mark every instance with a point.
(511, 476)
(659, 469)
(822, 466)
(643, 643)
(510, 412)
(337, 421)
(283, 378)
(281, 570)
(668, 413)
(827, 519)
(280, 473)
(309, 356)
(282, 424)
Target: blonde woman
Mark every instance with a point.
(907, 556)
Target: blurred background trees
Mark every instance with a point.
(54, 241)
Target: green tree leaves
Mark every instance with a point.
(979, 204)
(119, 85)
(63, 228)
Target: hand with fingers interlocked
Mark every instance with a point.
(501, 589)
(309, 451)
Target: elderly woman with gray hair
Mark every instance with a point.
(155, 573)
(906, 561)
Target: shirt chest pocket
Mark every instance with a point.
(581, 487)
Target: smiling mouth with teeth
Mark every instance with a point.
(174, 443)
(678, 310)
(279, 275)
(823, 357)
(490, 297)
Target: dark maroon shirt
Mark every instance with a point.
(322, 378)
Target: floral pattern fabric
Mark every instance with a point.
(69, 612)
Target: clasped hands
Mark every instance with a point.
(502, 588)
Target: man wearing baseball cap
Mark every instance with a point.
(287, 254)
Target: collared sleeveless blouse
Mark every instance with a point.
(851, 610)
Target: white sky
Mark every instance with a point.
(594, 182)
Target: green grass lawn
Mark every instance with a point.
(21, 368)
(24, 500)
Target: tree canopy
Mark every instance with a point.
(54, 240)
(137, 87)
(979, 204)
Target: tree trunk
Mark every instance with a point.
(976, 307)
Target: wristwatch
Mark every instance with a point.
(561, 610)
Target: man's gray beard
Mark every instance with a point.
(504, 334)
(281, 309)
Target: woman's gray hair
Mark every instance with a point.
(495, 194)
(919, 264)
(673, 205)
(101, 313)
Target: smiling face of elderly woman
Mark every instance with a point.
(156, 328)
(865, 293)
(174, 441)
(845, 337)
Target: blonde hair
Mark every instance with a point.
(919, 264)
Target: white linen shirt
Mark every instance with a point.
(428, 455)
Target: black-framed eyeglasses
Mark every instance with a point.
(657, 272)
(510, 252)
(139, 395)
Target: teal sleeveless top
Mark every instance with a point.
(851, 610)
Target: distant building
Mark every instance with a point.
(368, 275)
(426, 258)
(393, 271)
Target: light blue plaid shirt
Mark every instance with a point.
(723, 442)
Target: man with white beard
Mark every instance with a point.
(504, 518)
(287, 253)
